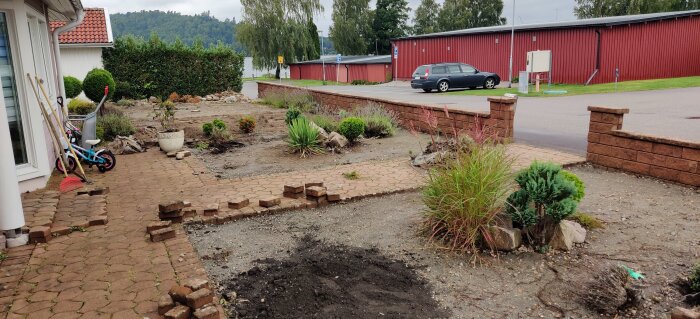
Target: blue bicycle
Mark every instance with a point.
(103, 158)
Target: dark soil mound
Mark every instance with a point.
(320, 280)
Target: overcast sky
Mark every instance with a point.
(526, 11)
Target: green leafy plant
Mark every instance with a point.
(543, 200)
(578, 183)
(73, 86)
(95, 82)
(587, 221)
(291, 115)
(379, 122)
(80, 106)
(247, 124)
(202, 146)
(220, 135)
(126, 102)
(78, 228)
(694, 279)
(351, 128)
(464, 196)
(326, 122)
(208, 128)
(115, 124)
(363, 82)
(303, 138)
(351, 175)
(165, 114)
(3, 256)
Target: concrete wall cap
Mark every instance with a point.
(611, 110)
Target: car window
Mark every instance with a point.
(439, 70)
(421, 69)
(453, 69)
(466, 68)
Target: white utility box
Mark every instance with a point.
(539, 61)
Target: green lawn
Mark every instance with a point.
(300, 83)
(575, 89)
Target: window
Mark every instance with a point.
(453, 69)
(466, 68)
(11, 98)
(439, 70)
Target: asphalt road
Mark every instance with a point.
(561, 122)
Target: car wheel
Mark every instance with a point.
(427, 90)
(490, 83)
(443, 86)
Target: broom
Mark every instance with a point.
(68, 183)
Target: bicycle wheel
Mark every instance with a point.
(71, 165)
(109, 161)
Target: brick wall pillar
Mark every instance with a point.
(604, 120)
(502, 115)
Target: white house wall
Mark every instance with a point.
(78, 61)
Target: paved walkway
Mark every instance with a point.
(114, 271)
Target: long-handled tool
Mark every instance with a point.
(68, 183)
(40, 82)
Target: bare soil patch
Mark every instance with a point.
(651, 227)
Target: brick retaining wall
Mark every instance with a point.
(499, 119)
(610, 146)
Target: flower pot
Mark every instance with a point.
(171, 141)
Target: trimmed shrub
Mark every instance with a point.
(351, 128)
(80, 106)
(303, 138)
(114, 124)
(292, 114)
(694, 279)
(246, 124)
(95, 82)
(326, 122)
(363, 82)
(156, 68)
(464, 196)
(73, 86)
(208, 128)
(578, 183)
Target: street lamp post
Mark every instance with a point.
(323, 62)
(512, 39)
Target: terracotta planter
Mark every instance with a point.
(171, 141)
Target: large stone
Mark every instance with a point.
(503, 220)
(336, 140)
(563, 238)
(231, 99)
(506, 239)
(683, 313)
(424, 160)
(322, 134)
(577, 231)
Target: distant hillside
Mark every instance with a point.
(171, 25)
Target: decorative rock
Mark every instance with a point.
(157, 225)
(336, 140)
(196, 283)
(506, 239)
(315, 191)
(211, 209)
(179, 293)
(294, 188)
(152, 99)
(563, 238)
(424, 160)
(577, 231)
(171, 207)
(165, 303)
(231, 99)
(179, 312)
(200, 298)
(503, 220)
(162, 234)
(208, 312)
(171, 154)
(269, 201)
(238, 203)
(179, 156)
(322, 134)
(682, 313)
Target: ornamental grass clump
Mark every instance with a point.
(379, 122)
(464, 196)
(303, 138)
(247, 124)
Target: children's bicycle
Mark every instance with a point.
(103, 158)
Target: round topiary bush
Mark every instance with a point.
(95, 82)
(351, 128)
(73, 86)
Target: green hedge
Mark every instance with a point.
(73, 86)
(154, 68)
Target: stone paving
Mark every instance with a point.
(114, 271)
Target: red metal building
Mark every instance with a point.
(645, 46)
(368, 68)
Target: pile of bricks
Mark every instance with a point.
(193, 299)
(174, 211)
(320, 195)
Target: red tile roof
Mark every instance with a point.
(93, 30)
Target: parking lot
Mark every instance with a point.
(559, 122)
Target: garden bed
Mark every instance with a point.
(650, 227)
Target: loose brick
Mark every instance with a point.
(171, 206)
(200, 298)
(179, 312)
(333, 196)
(165, 303)
(162, 234)
(211, 209)
(187, 204)
(189, 213)
(208, 312)
(98, 220)
(171, 215)
(179, 293)
(311, 184)
(294, 188)
(196, 283)
(157, 225)
(40, 234)
(293, 195)
(315, 191)
(269, 201)
(238, 203)
(99, 191)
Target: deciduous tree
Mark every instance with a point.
(465, 14)
(390, 19)
(426, 18)
(352, 26)
(607, 8)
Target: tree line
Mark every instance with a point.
(609, 8)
